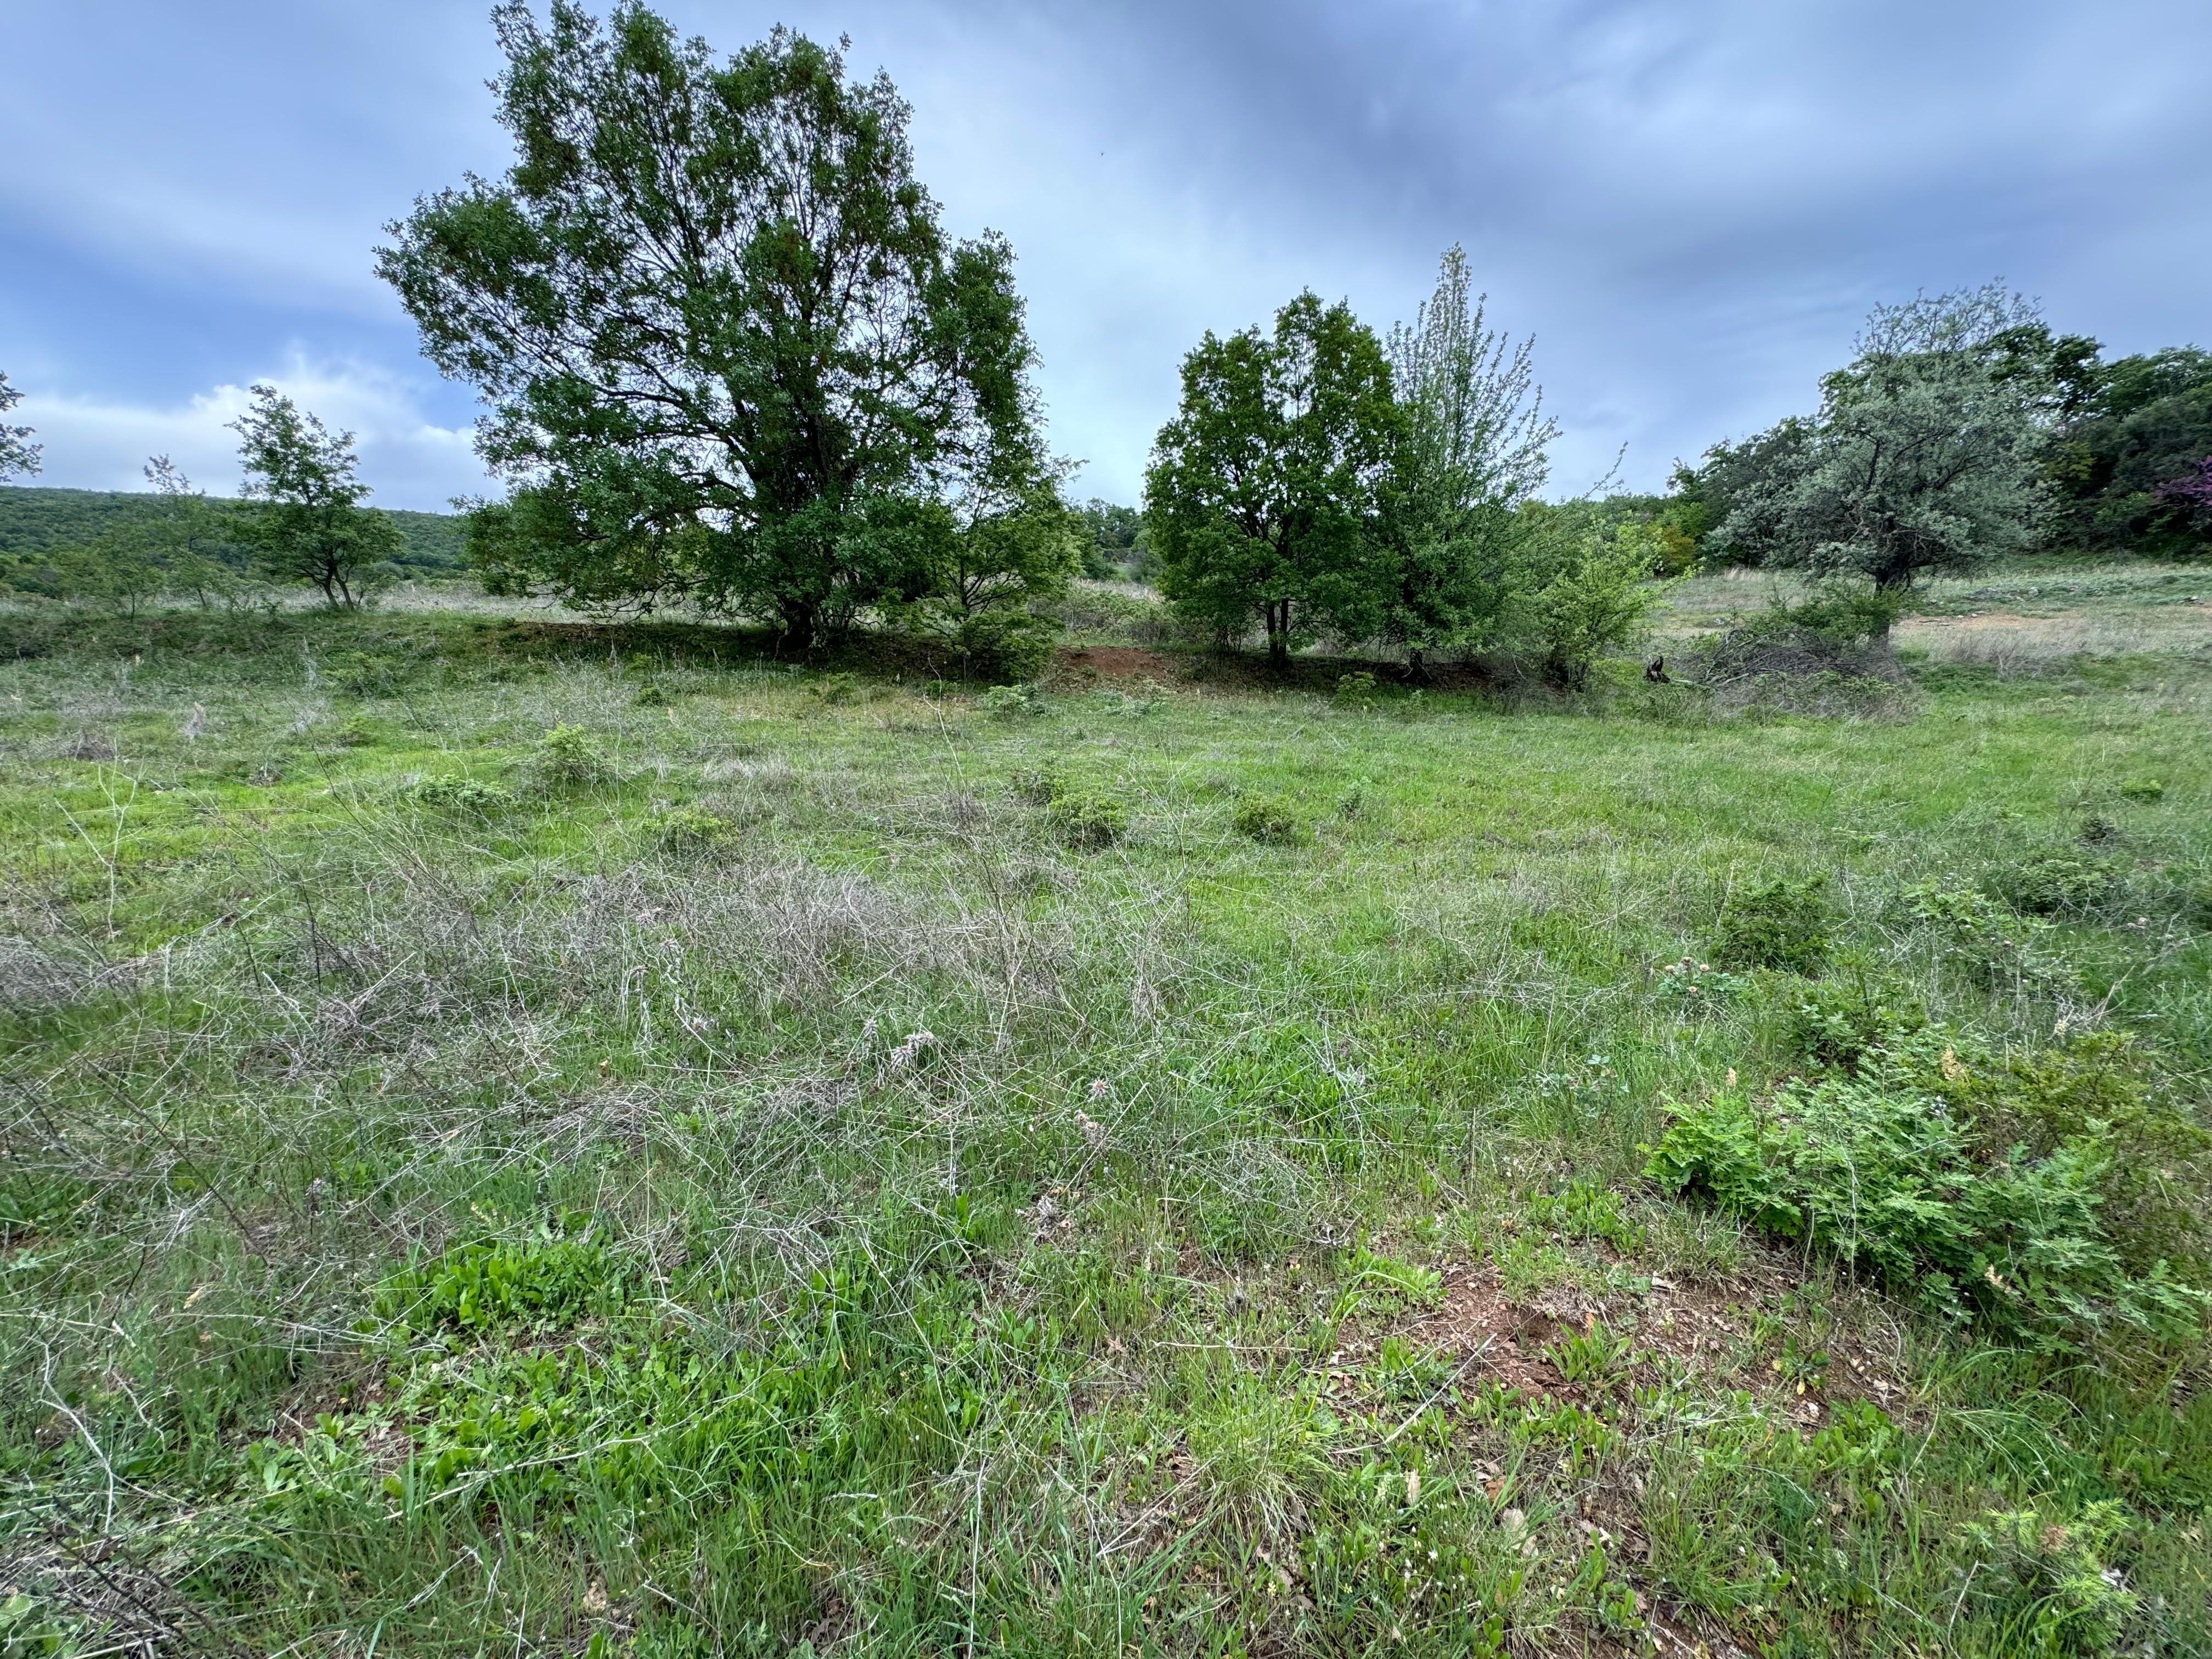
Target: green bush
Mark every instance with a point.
(691, 829)
(1784, 923)
(1836, 1025)
(1088, 819)
(1040, 785)
(2060, 884)
(650, 695)
(1008, 701)
(834, 688)
(1268, 820)
(570, 755)
(1888, 1167)
(1355, 689)
(455, 792)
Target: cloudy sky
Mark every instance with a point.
(1689, 203)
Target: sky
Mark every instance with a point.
(1690, 206)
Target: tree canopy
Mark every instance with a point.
(1263, 487)
(308, 523)
(1927, 452)
(728, 346)
(1471, 446)
(18, 454)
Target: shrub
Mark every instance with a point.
(1830, 1025)
(1356, 690)
(691, 829)
(1040, 785)
(650, 695)
(1993, 942)
(1268, 820)
(570, 755)
(1007, 701)
(456, 792)
(1596, 603)
(1886, 1169)
(1784, 923)
(2060, 884)
(1088, 819)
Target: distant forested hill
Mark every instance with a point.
(37, 521)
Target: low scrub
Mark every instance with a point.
(2053, 1202)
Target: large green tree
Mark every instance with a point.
(306, 520)
(18, 454)
(1262, 489)
(721, 328)
(1473, 446)
(1927, 452)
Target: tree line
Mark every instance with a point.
(733, 362)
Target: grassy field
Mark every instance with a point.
(523, 1137)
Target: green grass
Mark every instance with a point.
(761, 1169)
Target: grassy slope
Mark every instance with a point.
(1203, 1284)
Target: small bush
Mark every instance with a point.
(1011, 702)
(1886, 1169)
(570, 755)
(693, 830)
(1837, 1025)
(834, 688)
(1268, 820)
(1784, 923)
(2060, 884)
(2142, 791)
(1088, 819)
(456, 792)
(1356, 690)
(1040, 785)
(650, 695)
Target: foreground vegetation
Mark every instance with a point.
(560, 1138)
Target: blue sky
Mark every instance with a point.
(1690, 205)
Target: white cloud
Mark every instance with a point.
(407, 458)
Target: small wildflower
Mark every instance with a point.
(1412, 1487)
(1100, 1088)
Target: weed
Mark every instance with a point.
(1012, 701)
(693, 829)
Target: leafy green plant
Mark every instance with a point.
(569, 756)
(1597, 1357)
(2047, 1583)
(1088, 818)
(456, 792)
(1587, 1210)
(1784, 923)
(652, 695)
(1268, 820)
(834, 688)
(554, 1276)
(692, 829)
(2060, 884)
(1355, 689)
(1011, 702)
(1881, 1169)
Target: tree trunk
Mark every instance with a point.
(1279, 633)
(798, 623)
